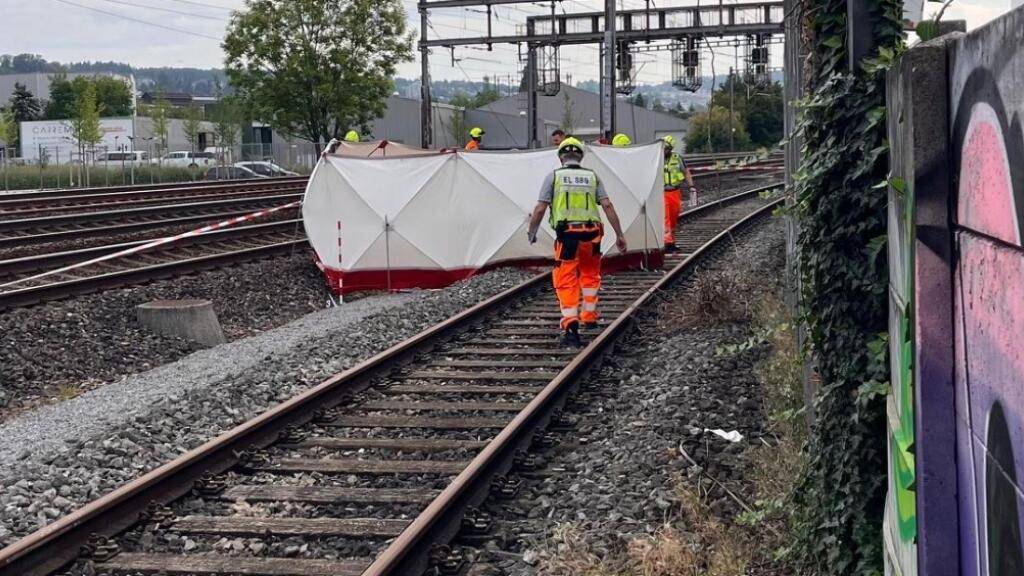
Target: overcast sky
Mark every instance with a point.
(187, 33)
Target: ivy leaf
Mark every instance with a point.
(834, 42)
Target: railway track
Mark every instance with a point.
(372, 469)
(20, 204)
(211, 250)
(22, 232)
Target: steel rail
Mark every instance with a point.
(91, 217)
(28, 240)
(134, 200)
(34, 195)
(14, 266)
(53, 546)
(62, 289)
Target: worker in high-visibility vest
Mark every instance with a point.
(475, 135)
(573, 195)
(676, 175)
(352, 136)
(620, 140)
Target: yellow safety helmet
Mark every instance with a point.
(621, 139)
(352, 136)
(669, 140)
(476, 132)
(570, 144)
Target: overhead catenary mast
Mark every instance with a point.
(680, 24)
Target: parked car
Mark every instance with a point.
(188, 159)
(229, 173)
(268, 169)
(127, 157)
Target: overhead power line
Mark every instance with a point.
(205, 5)
(138, 20)
(169, 10)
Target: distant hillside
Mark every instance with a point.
(196, 81)
(213, 81)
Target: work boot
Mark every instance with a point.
(671, 249)
(571, 338)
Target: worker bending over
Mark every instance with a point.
(573, 194)
(676, 175)
(475, 135)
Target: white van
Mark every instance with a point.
(188, 159)
(123, 157)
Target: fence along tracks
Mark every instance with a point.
(456, 402)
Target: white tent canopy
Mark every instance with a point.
(426, 220)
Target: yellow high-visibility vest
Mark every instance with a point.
(575, 197)
(674, 175)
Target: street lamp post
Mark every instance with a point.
(132, 140)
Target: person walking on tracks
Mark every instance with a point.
(676, 175)
(573, 194)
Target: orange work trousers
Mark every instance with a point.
(673, 207)
(578, 272)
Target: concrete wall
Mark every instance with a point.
(400, 123)
(957, 320)
(987, 92)
(176, 139)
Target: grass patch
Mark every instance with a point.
(61, 176)
(67, 392)
(708, 547)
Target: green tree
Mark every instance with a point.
(486, 95)
(759, 109)
(85, 125)
(457, 128)
(161, 124)
(8, 128)
(315, 68)
(193, 126)
(113, 96)
(24, 105)
(709, 132)
(226, 123)
(462, 100)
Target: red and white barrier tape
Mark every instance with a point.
(734, 169)
(159, 242)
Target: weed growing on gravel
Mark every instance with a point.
(717, 295)
(568, 553)
(708, 547)
(67, 392)
(772, 464)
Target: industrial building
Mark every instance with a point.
(574, 110)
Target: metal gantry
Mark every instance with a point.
(615, 31)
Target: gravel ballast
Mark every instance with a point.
(59, 349)
(614, 479)
(109, 436)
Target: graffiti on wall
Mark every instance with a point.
(988, 295)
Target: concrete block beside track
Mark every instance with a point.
(193, 320)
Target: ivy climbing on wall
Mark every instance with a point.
(840, 203)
